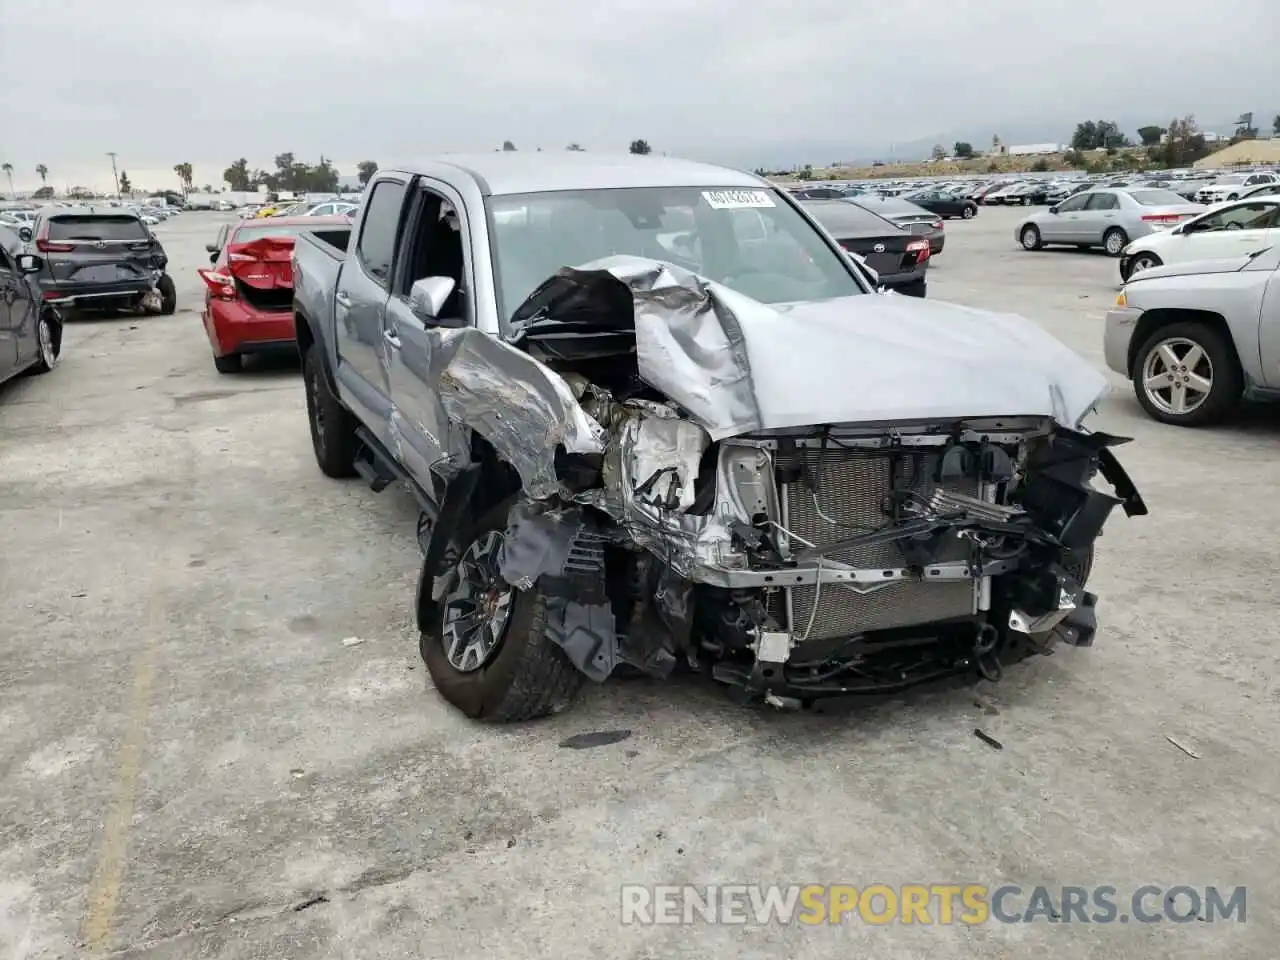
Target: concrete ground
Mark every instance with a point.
(193, 763)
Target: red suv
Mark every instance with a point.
(248, 306)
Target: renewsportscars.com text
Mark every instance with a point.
(941, 904)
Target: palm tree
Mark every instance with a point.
(44, 174)
(8, 171)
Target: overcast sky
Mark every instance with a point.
(747, 83)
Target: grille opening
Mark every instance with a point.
(853, 489)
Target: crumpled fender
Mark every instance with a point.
(524, 409)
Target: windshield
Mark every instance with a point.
(1223, 181)
(750, 240)
(245, 234)
(1157, 198)
(97, 228)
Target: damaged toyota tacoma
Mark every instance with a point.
(656, 419)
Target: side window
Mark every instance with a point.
(377, 247)
(1102, 201)
(1246, 216)
(6, 265)
(436, 250)
(1072, 204)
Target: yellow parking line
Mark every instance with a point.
(104, 888)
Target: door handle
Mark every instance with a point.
(391, 338)
(342, 299)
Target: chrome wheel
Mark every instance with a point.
(1114, 242)
(968, 213)
(44, 336)
(1177, 376)
(477, 607)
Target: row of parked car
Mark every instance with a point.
(309, 207)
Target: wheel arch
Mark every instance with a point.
(1153, 320)
(304, 332)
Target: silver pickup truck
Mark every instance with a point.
(1196, 337)
(656, 419)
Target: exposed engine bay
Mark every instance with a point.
(771, 496)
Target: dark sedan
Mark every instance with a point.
(907, 215)
(945, 205)
(899, 257)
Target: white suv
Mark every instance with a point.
(1230, 230)
(1230, 187)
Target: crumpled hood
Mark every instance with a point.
(736, 365)
(885, 358)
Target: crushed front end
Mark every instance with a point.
(673, 512)
(831, 561)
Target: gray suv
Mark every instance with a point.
(100, 258)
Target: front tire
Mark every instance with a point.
(1141, 262)
(1187, 374)
(487, 646)
(333, 428)
(168, 295)
(1030, 237)
(1114, 241)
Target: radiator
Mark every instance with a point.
(852, 486)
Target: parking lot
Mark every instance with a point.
(219, 740)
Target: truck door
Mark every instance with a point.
(436, 244)
(360, 303)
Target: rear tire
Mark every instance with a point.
(48, 341)
(916, 288)
(333, 428)
(1114, 241)
(231, 363)
(1030, 237)
(526, 676)
(168, 295)
(968, 213)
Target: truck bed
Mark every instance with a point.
(332, 240)
(318, 256)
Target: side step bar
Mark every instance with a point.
(379, 469)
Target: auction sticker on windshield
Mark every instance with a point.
(737, 199)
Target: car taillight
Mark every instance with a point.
(937, 224)
(920, 248)
(48, 246)
(1162, 219)
(221, 286)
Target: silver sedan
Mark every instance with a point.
(1107, 218)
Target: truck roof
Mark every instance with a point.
(510, 171)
